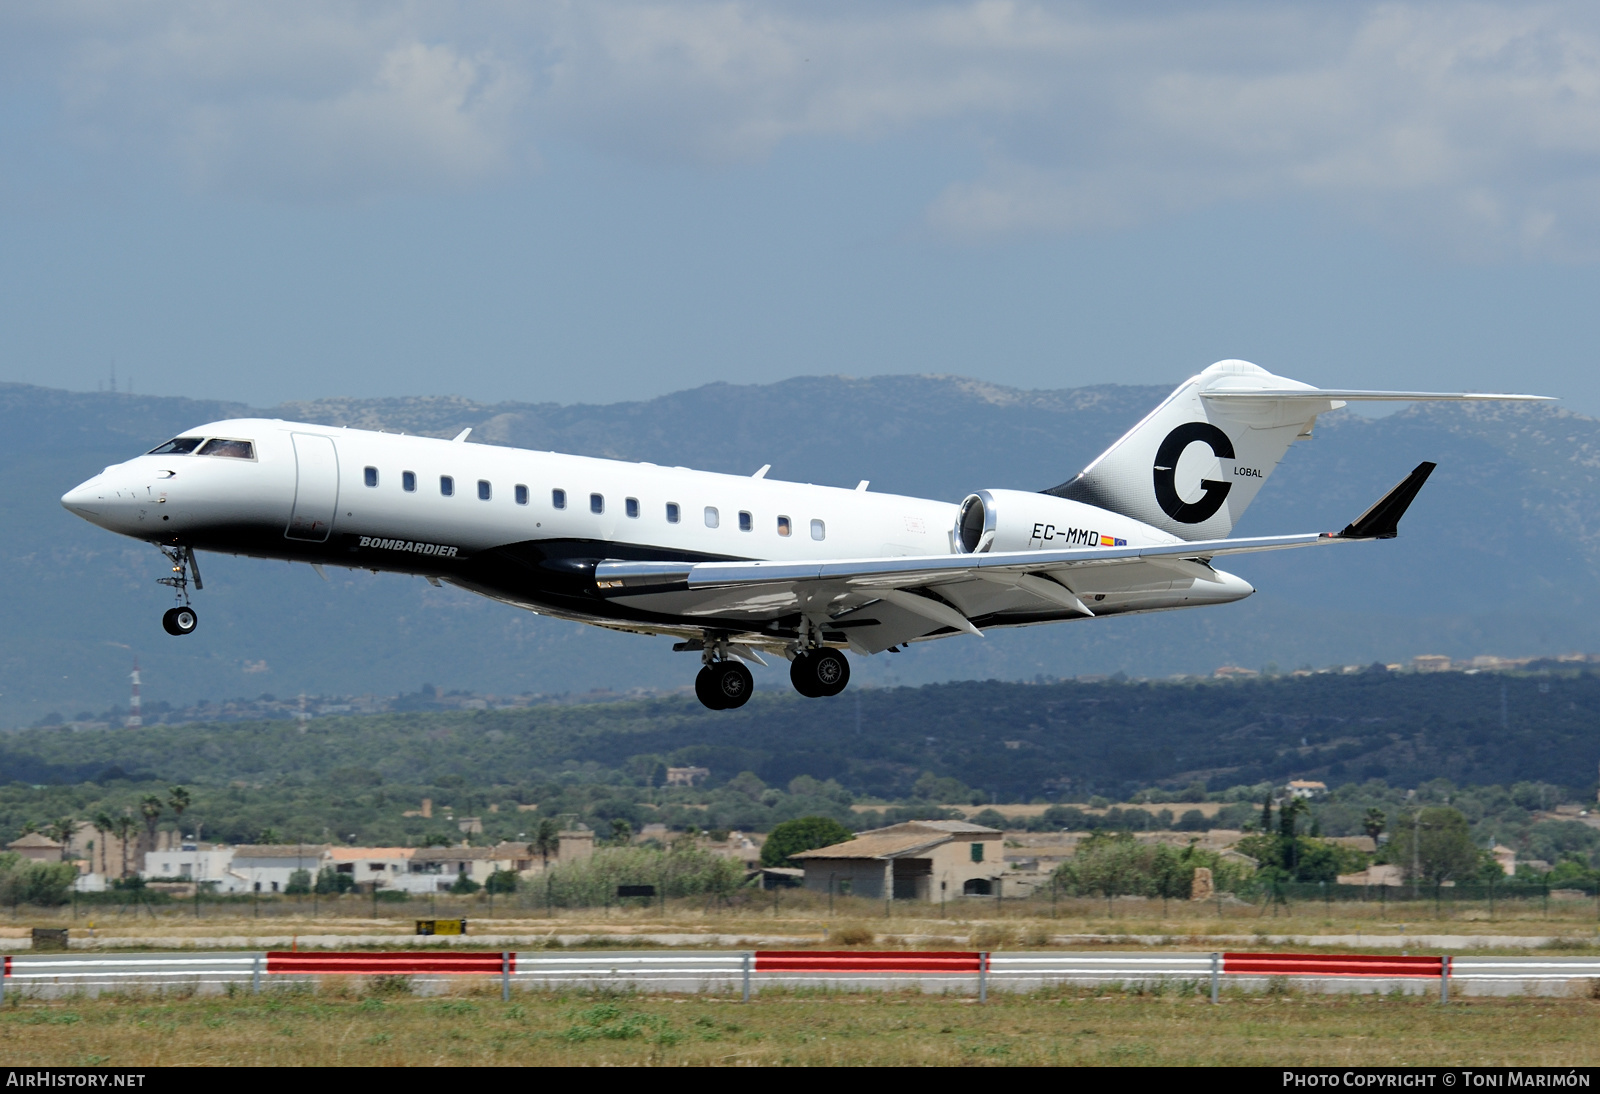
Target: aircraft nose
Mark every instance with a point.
(88, 499)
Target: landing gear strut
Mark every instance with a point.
(723, 682)
(815, 670)
(183, 619)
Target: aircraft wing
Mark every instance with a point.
(876, 603)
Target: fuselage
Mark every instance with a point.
(528, 527)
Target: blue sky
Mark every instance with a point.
(600, 203)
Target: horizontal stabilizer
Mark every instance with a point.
(1314, 393)
(1382, 520)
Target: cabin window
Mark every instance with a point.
(447, 486)
(785, 526)
(713, 518)
(178, 446)
(597, 503)
(674, 514)
(408, 481)
(236, 450)
(632, 506)
(522, 494)
(819, 530)
(558, 499)
(485, 491)
(371, 476)
(746, 521)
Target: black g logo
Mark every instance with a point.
(1166, 473)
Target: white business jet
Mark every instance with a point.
(735, 566)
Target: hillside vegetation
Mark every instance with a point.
(909, 750)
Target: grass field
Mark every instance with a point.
(342, 1026)
(800, 918)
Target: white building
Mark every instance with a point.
(267, 868)
(200, 864)
(372, 867)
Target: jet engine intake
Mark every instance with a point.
(1018, 520)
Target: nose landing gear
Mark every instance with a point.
(183, 619)
(180, 621)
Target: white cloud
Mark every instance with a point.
(1477, 125)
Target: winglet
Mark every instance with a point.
(1382, 520)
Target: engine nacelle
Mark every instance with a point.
(1018, 520)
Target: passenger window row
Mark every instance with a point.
(597, 503)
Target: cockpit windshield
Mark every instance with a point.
(238, 450)
(178, 446)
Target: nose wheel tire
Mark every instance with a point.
(180, 621)
(724, 685)
(817, 674)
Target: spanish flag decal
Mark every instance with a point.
(1111, 541)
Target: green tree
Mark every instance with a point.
(104, 825)
(299, 883)
(150, 807)
(37, 883)
(1289, 844)
(502, 881)
(746, 783)
(546, 839)
(62, 830)
(1107, 863)
(933, 788)
(124, 828)
(332, 882)
(178, 800)
(1435, 846)
(464, 885)
(621, 833)
(801, 834)
(1373, 823)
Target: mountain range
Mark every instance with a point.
(1498, 555)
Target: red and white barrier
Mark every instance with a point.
(394, 963)
(867, 961)
(1330, 964)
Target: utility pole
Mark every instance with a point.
(1416, 845)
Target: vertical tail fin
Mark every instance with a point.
(1195, 462)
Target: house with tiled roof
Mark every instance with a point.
(927, 861)
(38, 847)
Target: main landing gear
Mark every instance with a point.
(819, 673)
(815, 670)
(724, 685)
(183, 619)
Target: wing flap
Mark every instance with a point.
(911, 570)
